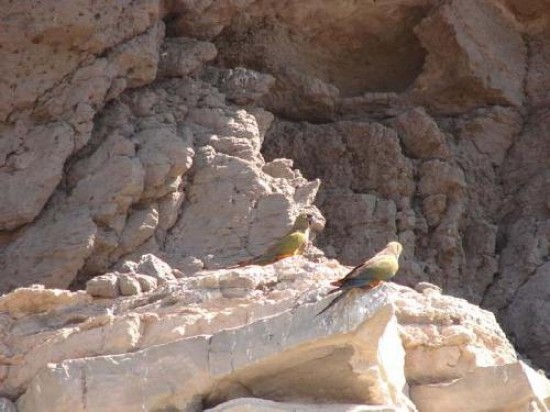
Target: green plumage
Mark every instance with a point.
(291, 244)
(381, 267)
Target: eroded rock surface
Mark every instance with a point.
(132, 144)
(247, 332)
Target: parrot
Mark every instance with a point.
(291, 244)
(370, 274)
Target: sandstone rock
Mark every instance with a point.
(438, 177)
(492, 131)
(421, 135)
(118, 183)
(164, 157)
(257, 342)
(35, 299)
(136, 60)
(443, 341)
(101, 334)
(150, 265)
(297, 94)
(114, 145)
(140, 226)
(130, 285)
(56, 47)
(470, 204)
(281, 168)
(146, 282)
(31, 166)
(104, 286)
(433, 208)
(239, 184)
(209, 363)
(261, 405)
(51, 251)
(370, 187)
(181, 56)
(245, 86)
(508, 387)
(168, 209)
(464, 66)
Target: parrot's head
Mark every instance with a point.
(303, 221)
(394, 248)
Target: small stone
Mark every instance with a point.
(422, 287)
(146, 282)
(104, 286)
(129, 285)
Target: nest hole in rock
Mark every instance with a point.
(358, 47)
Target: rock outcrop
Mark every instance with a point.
(145, 143)
(209, 340)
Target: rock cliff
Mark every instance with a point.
(249, 339)
(146, 144)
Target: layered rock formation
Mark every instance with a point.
(133, 137)
(219, 338)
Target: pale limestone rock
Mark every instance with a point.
(181, 56)
(257, 342)
(168, 210)
(146, 282)
(36, 299)
(281, 168)
(446, 338)
(130, 285)
(96, 336)
(164, 157)
(140, 226)
(261, 363)
(150, 265)
(261, 405)
(58, 46)
(118, 183)
(240, 185)
(31, 166)
(104, 286)
(136, 60)
(114, 145)
(513, 387)
(51, 251)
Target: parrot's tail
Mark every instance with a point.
(239, 265)
(335, 300)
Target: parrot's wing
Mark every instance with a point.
(373, 269)
(288, 245)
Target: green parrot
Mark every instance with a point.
(291, 244)
(370, 274)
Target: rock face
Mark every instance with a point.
(217, 338)
(143, 142)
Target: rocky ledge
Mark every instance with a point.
(248, 339)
